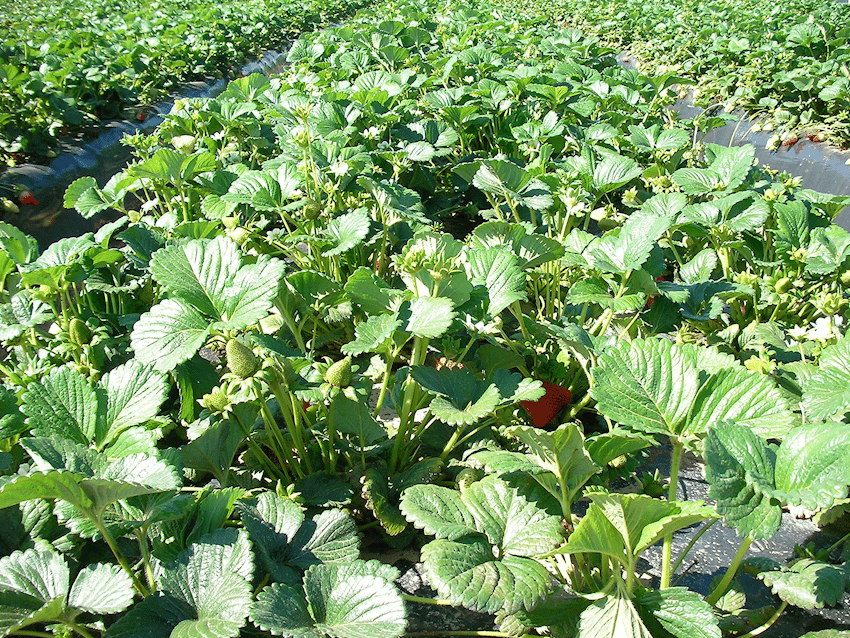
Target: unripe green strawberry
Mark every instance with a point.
(467, 477)
(339, 373)
(184, 143)
(216, 401)
(783, 285)
(312, 209)
(241, 361)
(78, 332)
(845, 278)
(10, 207)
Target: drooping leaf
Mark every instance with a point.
(490, 568)
(612, 616)
(826, 394)
(561, 452)
(288, 544)
(205, 592)
(498, 270)
(738, 465)
(679, 611)
(624, 525)
(807, 583)
(346, 601)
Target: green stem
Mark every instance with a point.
(385, 383)
(687, 549)
(835, 545)
(723, 585)
(28, 632)
(262, 457)
(441, 633)
(427, 601)
(107, 536)
(667, 552)
(80, 630)
(141, 535)
(762, 628)
(281, 445)
(516, 311)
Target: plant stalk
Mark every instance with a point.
(723, 585)
(762, 628)
(667, 552)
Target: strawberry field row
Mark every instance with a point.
(64, 65)
(786, 61)
(193, 398)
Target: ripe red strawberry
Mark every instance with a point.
(25, 197)
(545, 409)
(651, 299)
(141, 116)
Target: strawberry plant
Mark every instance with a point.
(283, 350)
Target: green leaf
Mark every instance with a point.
(828, 249)
(42, 575)
(169, 334)
(726, 171)
(214, 450)
(749, 398)
(207, 587)
(134, 394)
(739, 466)
(430, 317)
(700, 267)
(11, 419)
(807, 583)
(490, 568)
(287, 544)
(197, 271)
(629, 247)
(351, 601)
(612, 616)
(679, 611)
(813, 466)
(373, 335)
(498, 270)
(658, 387)
(50, 485)
(438, 511)
(63, 404)
(102, 589)
(370, 292)
(250, 294)
(531, 250)
(623, 526)
(612, 172)
(507, 180)
(354, 418)
(826, 394)
(33, 587)
(648, 384)
(347, 231)
(561, 452)
(467, 573)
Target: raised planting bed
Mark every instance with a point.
(786, 62)
(68, 66)
(192, 396)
